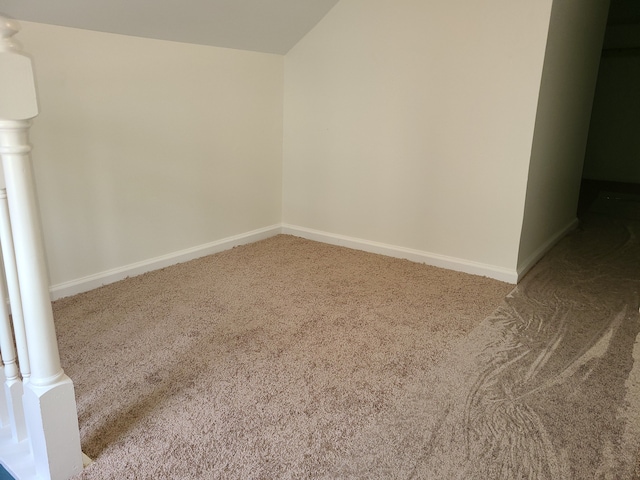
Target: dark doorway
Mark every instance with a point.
(612, 158)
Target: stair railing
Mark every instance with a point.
(39, 435)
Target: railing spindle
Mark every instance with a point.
(49, 399)
(13, 286)
(13, 382)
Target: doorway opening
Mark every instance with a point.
(611, 170)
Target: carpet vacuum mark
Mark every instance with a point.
(548, 387)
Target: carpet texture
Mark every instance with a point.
(294, 359)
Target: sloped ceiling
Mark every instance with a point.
(271, 26)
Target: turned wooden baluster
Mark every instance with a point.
(13, 286)
(13, 381)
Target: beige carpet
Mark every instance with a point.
(293, 359)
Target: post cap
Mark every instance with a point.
(17, 86)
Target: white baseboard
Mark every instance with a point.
(90, 282)
(437, 260)
(530, 261)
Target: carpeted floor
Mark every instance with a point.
(548, 386)
(294, 359)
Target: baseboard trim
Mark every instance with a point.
(90, 282)
(419, 256)
(532, 259)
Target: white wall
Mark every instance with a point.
(407, 124)
(145, 147)
(566, 95)
(410, 123)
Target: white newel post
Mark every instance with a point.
(49, 400)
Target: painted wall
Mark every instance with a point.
(406, 123)
(410, 123)
(613, 148)
(145, 147)
(576, 33)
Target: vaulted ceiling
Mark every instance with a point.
(271, 26)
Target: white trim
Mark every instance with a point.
(419, 256)
(528, 264)
(90, 282)
(452, 263)
(17, 458)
